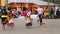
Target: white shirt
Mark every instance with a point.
(29, 13)
(40, 10)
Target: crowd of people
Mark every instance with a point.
(51, 13)
(7, 17)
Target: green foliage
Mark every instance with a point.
(56, 1)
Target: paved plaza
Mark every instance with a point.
(51, 26)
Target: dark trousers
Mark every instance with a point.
(2, 20)
(29, 24)
(40, 19)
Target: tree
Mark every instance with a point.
(57, 1)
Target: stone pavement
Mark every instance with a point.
(51, 26)
(0, 21)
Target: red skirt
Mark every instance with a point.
(10, 24)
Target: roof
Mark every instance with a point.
(38, 2)
(19, 1)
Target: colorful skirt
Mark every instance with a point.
(29, 24)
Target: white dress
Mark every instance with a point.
(29, 13)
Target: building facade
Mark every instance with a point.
(22, 3)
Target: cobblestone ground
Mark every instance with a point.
(51, 26)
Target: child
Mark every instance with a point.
(28, 21)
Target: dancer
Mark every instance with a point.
(4, 16)
(11, 19)
(40, 13)
(28, 21)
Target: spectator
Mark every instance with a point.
(58, 13)
(35, 11)
(52, 13)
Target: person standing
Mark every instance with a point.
(52, 13)
(35, 11)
